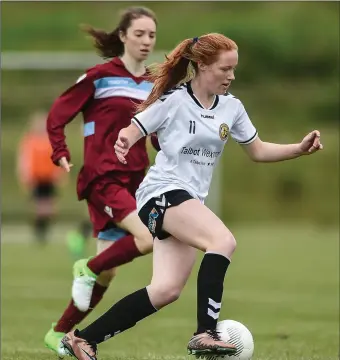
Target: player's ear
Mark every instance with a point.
(122, 36)
(201, 66)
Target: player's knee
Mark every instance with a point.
(169, 294)
(144, 242)
(230, 241)
(164, 294)
(223, 241)
(106, 277)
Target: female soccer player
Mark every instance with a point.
(193, 122)
(107, 95)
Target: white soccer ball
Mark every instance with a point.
(237, 334)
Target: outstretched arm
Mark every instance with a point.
(261, 151)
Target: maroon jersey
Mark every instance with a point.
(106, 95)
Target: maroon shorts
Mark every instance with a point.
(112, 198)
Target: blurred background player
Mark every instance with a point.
(106, 95)
(41, 179)
(37, 175)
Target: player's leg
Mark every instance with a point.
(120, 199)
(44, 207)
(137, 242)
(171, 271)
(105, 277)
(172, 265)
(72, 315)
(93, 286)
(125, 216)
(195, 225)
(132, 222)
(121, 251)
(121, 207)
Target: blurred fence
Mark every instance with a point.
(56, 60)
(287, 79)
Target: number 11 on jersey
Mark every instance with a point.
(192, 127)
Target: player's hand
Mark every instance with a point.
(311, 143)
(63, 163)
(122, 146)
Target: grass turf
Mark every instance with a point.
(283, 284)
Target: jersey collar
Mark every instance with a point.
(118, 62)
(191, 93)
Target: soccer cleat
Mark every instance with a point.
(83, 283)
(78, 347)
(53, 342)
(209, 343)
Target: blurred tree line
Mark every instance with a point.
(288, 79)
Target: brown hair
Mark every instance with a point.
(179, 63)
(109, 45)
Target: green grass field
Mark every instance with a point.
(283, 284)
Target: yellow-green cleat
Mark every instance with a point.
(83, 283)
(53, 342)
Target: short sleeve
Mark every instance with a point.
(243, 130)
(152, 118)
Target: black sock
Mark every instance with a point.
(122, 316)
(210, 290)
(41, 224)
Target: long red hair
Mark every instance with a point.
(180, 63)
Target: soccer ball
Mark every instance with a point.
(237, 334)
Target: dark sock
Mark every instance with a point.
(85, 229)
(210, 290)
(73, 316)
(41, 224)
(122, 316)
(120, 252)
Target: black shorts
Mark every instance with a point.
(44, 190)
(152, 213)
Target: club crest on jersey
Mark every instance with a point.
(224, 131)
(152, 220)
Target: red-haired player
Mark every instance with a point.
(193, 121)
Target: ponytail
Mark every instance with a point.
(169, 73)
(108, 45)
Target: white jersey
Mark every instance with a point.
(191, 139)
